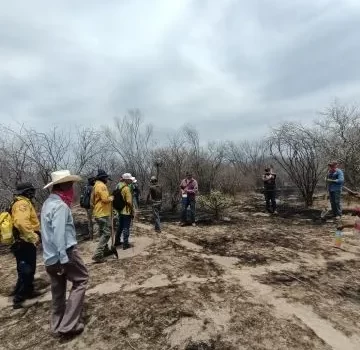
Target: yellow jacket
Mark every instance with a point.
(127, 195)
(25, 219)
(100, 199)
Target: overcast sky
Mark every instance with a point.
(229, 67)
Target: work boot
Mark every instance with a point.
(107, 253)
(126, 246)
(34, 294)
(98, 259)
(18, 305)
(17, 302)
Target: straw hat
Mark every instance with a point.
(62, 176)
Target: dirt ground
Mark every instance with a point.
(253, 281)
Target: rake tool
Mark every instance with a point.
(113, 248)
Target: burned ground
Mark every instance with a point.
(253, 281)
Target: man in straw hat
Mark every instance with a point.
(62, 259)
(335, 181)
(26, 233)
(101, 202)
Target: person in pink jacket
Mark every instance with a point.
(189, 189)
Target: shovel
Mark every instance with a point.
(113, 249)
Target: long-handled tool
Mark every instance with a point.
(354, 193)
(113, 248)
(326, 208)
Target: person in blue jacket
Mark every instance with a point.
(335, 181)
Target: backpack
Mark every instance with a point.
(7, 234)
(85, 197)
(118, 202)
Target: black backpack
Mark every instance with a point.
(118, 202)
(85, 197)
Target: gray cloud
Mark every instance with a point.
(231, 68)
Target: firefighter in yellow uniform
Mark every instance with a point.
(26, 233)
(101, 202)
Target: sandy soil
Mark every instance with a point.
(253, 282)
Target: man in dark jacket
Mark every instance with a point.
(90, 185)
(269, 179)
(155, 198)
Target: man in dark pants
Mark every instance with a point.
(335, 181)
(26, 234)
(189, 190)
(269, 179)
(91, 183)
(155, 198)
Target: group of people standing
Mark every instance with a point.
(102, 208)
(334, 184)
(56, 232)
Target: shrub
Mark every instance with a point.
(215, 203)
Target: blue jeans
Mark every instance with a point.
(335, 201)
(123, 229)
(186, 202)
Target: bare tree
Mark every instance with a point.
(132, 141)
(248, 159)
(341, 130)
(87, 150)
(174, 158)
(297, 150)
(204, 161)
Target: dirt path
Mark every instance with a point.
(336, 339)
(208, 288)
